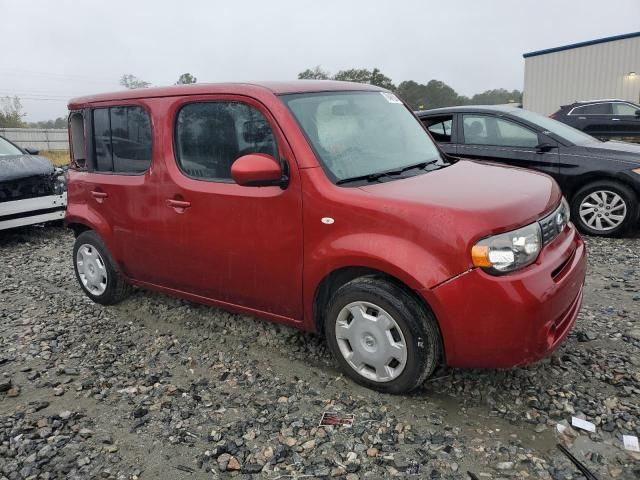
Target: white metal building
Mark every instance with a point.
(603, 68)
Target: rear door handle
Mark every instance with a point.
(615, 119)
(99, 196)
(178, 205)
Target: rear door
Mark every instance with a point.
(594, 119)
(499, 139)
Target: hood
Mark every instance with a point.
(621, 151)
(473, 199)
(13, 167)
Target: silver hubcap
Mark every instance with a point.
(371, 341)
(91, 269)
(603, 210)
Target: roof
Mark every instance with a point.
(469, 108)
(582, 44)
(276, 88)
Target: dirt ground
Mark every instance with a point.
(162, 388)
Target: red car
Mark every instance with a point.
(325, 206)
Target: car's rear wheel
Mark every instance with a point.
(604, 208)
(381, 336)
(96, 271)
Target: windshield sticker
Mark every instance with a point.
(391, 98)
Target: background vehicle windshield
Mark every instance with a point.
(570, 134)
(361, 133)
(7, 148)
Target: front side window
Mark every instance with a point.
(210, 136)
(355, 134)
(487, 130)
(121, 140)
(624, 109)
(594, 109)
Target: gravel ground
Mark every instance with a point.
(162, 388)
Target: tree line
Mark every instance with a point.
(420, 96)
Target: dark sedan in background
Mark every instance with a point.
(603, 119)
(601, 180)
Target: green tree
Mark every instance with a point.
(11, 113)
(315, 73)
(186, 79)
(434, 94)
(132, 82)
(496, 97)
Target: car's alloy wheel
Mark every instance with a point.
(92, 270)
(603, 210)
(371, 341)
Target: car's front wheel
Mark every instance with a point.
(604, 208)
(381, 336)
(96, 271)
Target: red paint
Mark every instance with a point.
(264, 250)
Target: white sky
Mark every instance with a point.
(54, 50)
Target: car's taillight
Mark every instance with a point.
(553, 115)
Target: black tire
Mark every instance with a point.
(418, 325)
(628, 197)
(116, 288)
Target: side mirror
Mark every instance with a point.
(545, 147)
(32, 151)
(257, 170)
(637, 113)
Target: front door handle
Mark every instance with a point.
(615, 119)
(178, 205)
(99, 196)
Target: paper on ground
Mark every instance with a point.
(631, 443)
(583, 424)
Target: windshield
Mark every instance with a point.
(7, 148)
(558, 128)
(355, 134)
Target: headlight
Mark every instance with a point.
(509, 251)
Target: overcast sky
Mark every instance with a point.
(53, 50)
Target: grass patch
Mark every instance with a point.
(58, 157)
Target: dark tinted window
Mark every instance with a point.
(102, 140)
(594, 109)
(486, 130)
(122, 139)
(210, 136)
(439, 127)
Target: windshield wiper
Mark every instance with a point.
(372, 177)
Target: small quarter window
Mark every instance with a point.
(78, 144)
(439, 127)
(210, 136)
(121, 140)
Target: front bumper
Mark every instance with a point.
(499, 322)
(30, 211)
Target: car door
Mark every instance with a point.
(594, 119)
(499, 139)
(214, 238)
(442, 129)
(118, 180)
(626, 120)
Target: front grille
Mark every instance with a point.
(554, 223)
(29, 187)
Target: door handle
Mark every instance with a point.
(99, 196)
(615, 119)
(178, 205)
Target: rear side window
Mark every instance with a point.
(210, 136)
(594, 109)
(439, 127)
(121, 140)
(486, 130)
